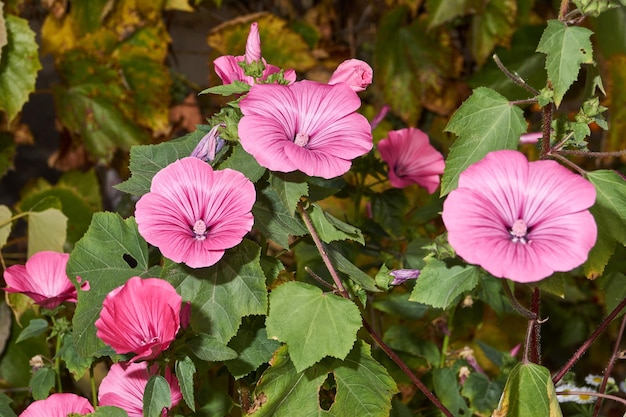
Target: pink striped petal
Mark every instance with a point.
(58, 405)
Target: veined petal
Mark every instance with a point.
(58, 405)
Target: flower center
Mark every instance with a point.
(200, 229)
(301, 139)
(518, 232)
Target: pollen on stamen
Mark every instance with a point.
(518, 232)
(200, 229)
(301, 139)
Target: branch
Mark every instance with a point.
(609, 367)
(514, 77)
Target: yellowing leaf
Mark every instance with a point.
(18, 67)
(3, 29)
(182, 5)
(280, 45)
(5, 224)
(616, 89)
(46, 231)
(493, 24)
(57, 36)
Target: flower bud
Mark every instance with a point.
(253, 44)
(354, 72)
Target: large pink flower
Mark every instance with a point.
(228, 69)
(43, 279)
(521, 220)
(141, 316)
(125, 384)
(411, 159)
(304, 126)
(193, 214)
(58, 405)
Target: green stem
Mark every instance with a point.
(57, 360)
(92, 381)
(446, 338)
(12, 219)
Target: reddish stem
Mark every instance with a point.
(609, 367)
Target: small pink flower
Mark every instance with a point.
(193, 213)
(141, 316)
(125, 384)
(354, 72)
(521, 220)
(411, 159)
(43, 279)
(306, 126)
(58, 405)
(228, 69)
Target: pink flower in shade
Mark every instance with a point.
(43, 279)
(411, 159)
(228, 69)
(141, 316)
(58, 405)
(193, 213)
(520, 220)
(125, 383)
(306, 126)
(354, 72)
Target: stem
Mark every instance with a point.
(583, 348)
(609, 367)
(546, 129)
(569, 163)
(515, 304)
(322, 250)
(563, 9)
(392, 355)
(593, 394)
(526, 101)
(514, 77)
(558, 146)
(57, 365)
(12, 219)
(446, 339)
(403, 366)
(534, 326)
(92, 380)
(590, 154)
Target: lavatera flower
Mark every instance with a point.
(521, 220)
(142, 317)
(59, 405)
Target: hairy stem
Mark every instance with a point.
(569, 163)
(587, 343)
(535, 336)
(514, 77)
(515, 304)
(563, 9)
(590, 154)
(392, 355)
(546, 129)
(609, 367)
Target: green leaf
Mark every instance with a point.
(108, 411)
(156, 397)
(446, 388)
(275, 220)
(403, 339)
(529, 392)
(210, 349)
(5, 224)
(493, 23)
(46, 231)
(253, 346)
(236, 87)
(388, 210)
(3, 30)
(614, 286)
(147, 160)
(413, 74)
(245, 163)
(42, 382)
(566, 48)
(88, 16)
(312, 323)
(5, 408)
(482, 393)
(364, 387)
(237, 276)
(289, 187)
(485, 122)
(344, 265)
(398, 304)
(442, 11)
(100, 259)
(74, 362)
(331, 229)
(19, 64)
(282, 391)
(7, 152)
(439, 286)
(609, 212)
(185, 370)
(34, 328)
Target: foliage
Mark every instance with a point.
(345, 297)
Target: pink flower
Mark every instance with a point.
(125, 384)
(306, 126)
(532, 137)
(43, 279)
(228, 69)
(58, 405)
(520, 220)
(193, 213)
(411, 159)
(354, 72)
(141, 316)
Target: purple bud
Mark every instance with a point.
(401, 275)
(209, 145)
